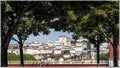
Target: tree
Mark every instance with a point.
(98, 19)
(12, 14)
(25, 29)
(22, 33)
(89, 19)
(103, 20)
(10, 21)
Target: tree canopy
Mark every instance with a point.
(91, 19)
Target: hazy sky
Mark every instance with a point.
(44, 38)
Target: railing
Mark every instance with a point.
(59, 62)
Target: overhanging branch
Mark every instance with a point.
(108, 39)
(15, 40)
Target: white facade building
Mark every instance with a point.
(63, 40)
(31, 51)
(36, 43)
(57, 51)
(50, 43)
(104, 47)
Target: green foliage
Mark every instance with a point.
(6, 6)
(71, 15)
(28, 57)
(95, 20)
(104, 56)
(81, 18)
(14, 57)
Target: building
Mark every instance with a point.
(104, 48)
(61, 48)
(63, 40)
(50, 43)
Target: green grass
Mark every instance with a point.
(14, 57)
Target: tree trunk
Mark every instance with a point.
(21, 55)
(4, 62)
(115, 56)
(115, 43)
(98, 50)
(4, 47)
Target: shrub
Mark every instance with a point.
(104, 56)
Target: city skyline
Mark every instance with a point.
(45, 38)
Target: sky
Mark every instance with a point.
(44, 38)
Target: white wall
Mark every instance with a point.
(31, 51)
